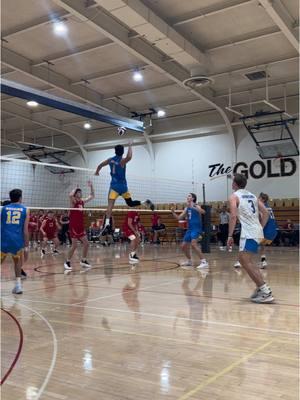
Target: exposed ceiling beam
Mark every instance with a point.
(74, 52)
(249, 37)
(46, 75)
(282, 19)
(211, 10)
(76, 134)
(109, 73)
(252, 67)
(115, 30)
(137, 92)
(141, 19)
(33, 24)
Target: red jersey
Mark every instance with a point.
(33, 223)
(40, 219)
(76, 226)
(155, 219)
(50, 227)
(135, 219)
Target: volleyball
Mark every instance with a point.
(121, 130)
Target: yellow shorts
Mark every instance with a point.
(14, 256)
(113, 195)
(266, 242)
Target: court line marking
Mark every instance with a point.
(168, 317)
(54, 353)
(224, 371)
(17, 355)
(120, 293)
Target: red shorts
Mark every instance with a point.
(77, 232)
(50, 235)
(128, 232)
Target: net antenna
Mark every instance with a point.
(271, 134)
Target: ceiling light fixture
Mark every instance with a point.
(87, 125)
(60, 28)
(137, 76)
(32, 103)
(161, 113)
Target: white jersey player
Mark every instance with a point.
(246, 207)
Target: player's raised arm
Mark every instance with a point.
(101, 165)
(263, 212)
(128, 157)
(199, 209)
(92, 193)
(180, 216)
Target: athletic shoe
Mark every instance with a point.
(237, 264)
(23, 274)
(85, 264)
(187, 263)
(149, 204)
(43, 253)
(67, 265)
(263, 297)
(230, 249)
(263, 264)
(203, 264)
(133, 258)
(255, 293)
(222, 248)
(17, 289)
(55, 252)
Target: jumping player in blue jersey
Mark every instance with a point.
(270, 230)
(14, 233)
(193, 215)
(118, 185)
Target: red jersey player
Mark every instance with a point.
(130, 230)
(49, 229)
(33, 228)
(76, 226)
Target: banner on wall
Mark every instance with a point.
(257, 169)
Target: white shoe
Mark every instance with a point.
(263, 297)
(133, 258)
(203, 264)
(17, 289)
(222, 248)
(230, 249)
(263, 264)
(237, 264)
(85, 264)
(67, 266)
(187, 265)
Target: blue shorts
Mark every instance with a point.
(249, 245)
(11, 248)
(191, 234)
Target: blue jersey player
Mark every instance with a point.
(118, 185)
(192, 213)
(270, 229)
(14, 233)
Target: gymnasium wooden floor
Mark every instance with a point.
(154, 332)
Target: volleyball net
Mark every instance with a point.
(47, 185)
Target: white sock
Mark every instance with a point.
(264, 288)
(18, 281)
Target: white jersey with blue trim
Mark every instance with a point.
(249, 216)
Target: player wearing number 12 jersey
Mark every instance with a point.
(14, 233)
(246, 207)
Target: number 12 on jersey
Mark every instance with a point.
(13, 217)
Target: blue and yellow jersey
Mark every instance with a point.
(13, 218)
(194, 219)
(270, 229)
(117, 172)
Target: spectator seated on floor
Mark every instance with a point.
(288, 234)
(157, 227)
